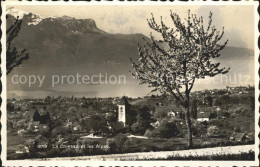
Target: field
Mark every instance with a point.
(130, 145)
(219, 153)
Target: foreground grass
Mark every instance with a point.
(250, 156)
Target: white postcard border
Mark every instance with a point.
(124, 163)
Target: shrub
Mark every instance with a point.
(148, 133)
(116, 143)
(60, 130)
(112, 145)
(98, 123)
(21, 132)
(160, 114)
(143, 121)
(225, 114)
(137, 128)
(111, 116)
(213, 131)
(217, 102)
(167, 130)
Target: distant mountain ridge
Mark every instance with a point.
(78, 25)
(65, 45)
(81, 39)
(78, 40)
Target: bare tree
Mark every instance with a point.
(184, 54)
(13, 57)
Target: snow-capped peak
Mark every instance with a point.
(35, 19)
(75, 25)
(16, 12)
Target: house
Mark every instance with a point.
(77, 128)
(45, 127)
(30, 143)
(155, 124)
(124, 112)
(21, 132)
(238, 89)
(203, 117)
(159, 104)
(91, 136)
(22, 149)
(171, 114)
(218, 109)
(35, 126)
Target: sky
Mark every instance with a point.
(238, 21)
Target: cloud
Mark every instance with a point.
(238, 23)
(114, 18)
(141, 14)
(132, 30)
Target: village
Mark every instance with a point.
(73, 126)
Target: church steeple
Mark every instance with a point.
(124, 101)
(123, 108)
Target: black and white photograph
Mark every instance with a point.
(130, 82)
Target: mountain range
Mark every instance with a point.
(66, 45)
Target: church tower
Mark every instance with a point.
(123, 110)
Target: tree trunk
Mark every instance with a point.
(188, 121)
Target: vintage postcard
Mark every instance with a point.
(129, 83)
